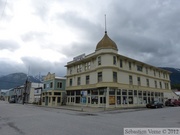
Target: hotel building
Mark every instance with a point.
(105, 78)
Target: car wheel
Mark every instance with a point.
(156, 106)
(162, 106)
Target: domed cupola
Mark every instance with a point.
(106, 43)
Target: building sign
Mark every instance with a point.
(80, 57)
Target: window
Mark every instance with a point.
(139, 81)
(130, 79)
(160, 84)
(87, 65)
(59, 84)
(79, 68)
(79, 81)
(129, 65)
(70, 70)
(51, 84)
(146, 70)
(99, 60)
(70, 82)
(87, 79)
(164, 75)
(54, 99)
(155, 83)
(44, 86)
(59, 100)
(99, 76)
(147, 82)
(114, 76)
(57, 93)
(166, 85)
(121, 63)
(139, 68)
(154, 72)
(114, 60)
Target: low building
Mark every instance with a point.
(37, 95)
(105, 78)
(53, 93)
(34, 97)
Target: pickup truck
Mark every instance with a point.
(172, 102)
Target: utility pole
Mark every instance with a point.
(25, 89)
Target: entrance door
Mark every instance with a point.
(102, 100)
(46, 101)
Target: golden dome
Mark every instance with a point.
(106, 43)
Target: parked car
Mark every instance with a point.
(12, 100)
(172, 102)
(155, 104)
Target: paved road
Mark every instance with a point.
(17, 119)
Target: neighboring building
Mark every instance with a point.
(8, 94)
(53, 93)
(105, 78)
(37, 94)
(33, 95)
(2, 94)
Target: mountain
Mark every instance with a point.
(16, 79)
(174, 76)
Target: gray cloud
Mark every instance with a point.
(41, 8)
(38, 65)
(8, 66)
(32, 35)
(9, 45)
(145, 30)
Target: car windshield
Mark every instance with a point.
(153, 102)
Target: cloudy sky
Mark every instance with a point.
(43, 35)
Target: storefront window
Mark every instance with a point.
(94, 99)
(118, 100)
(102, 100)
(144, 100)
(130, 92)
(152, 93)
(135, 92)
(89, 92)
(77, 99)
(54, 99)
(140, 97)
(124, 99)
(124, 92)
(101, 92)
(144, 93)
(72, 93)
(59, 100)
(119, 92)
(78, 92)
(111, 92)
(94, 92)
(130, 100)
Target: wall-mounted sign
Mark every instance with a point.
(80, 57)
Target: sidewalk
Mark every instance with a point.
(95, 109)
